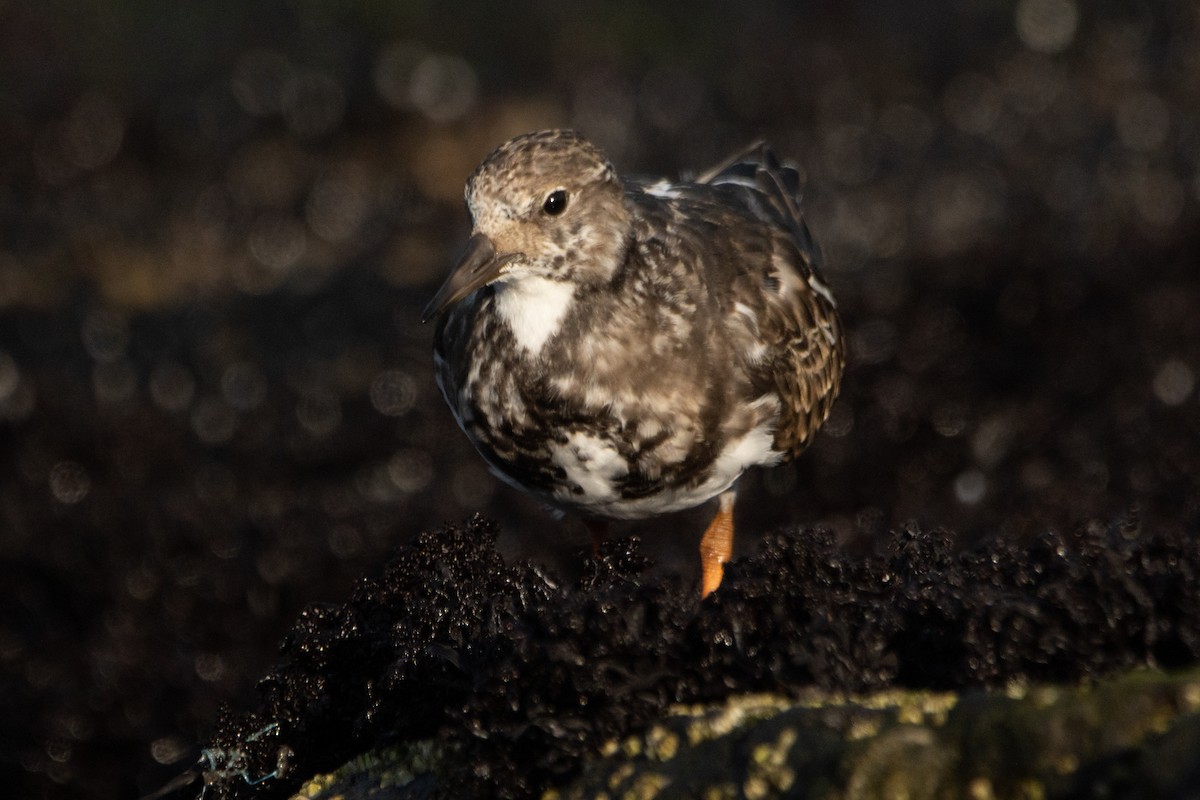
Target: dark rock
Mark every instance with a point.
(1132, 737)
(525, 680)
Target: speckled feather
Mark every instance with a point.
(642, 352)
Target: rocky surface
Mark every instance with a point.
(1137, 736)
(519, 682)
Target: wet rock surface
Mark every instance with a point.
(1132, 737)
(525, 680)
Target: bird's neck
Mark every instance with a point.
(533, 308)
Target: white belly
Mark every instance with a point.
(594, 469)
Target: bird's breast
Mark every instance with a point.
(533, 310)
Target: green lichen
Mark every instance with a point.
(375, 774)
(1023, 742)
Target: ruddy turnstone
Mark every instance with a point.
(625, 348)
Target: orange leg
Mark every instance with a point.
(716, 546)
(598, 530)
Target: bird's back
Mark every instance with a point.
(779, 313)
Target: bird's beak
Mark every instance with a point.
(478, 266)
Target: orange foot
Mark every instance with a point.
(716, 546)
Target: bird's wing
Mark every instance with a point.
(772, 189)
(783, 309)
(805, 349)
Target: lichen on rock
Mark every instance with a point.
(1129, 736)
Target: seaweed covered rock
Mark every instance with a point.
(524, 680)
(1121, 738)
(1126, 737)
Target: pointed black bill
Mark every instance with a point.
(477, 267)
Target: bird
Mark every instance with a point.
(628, 348)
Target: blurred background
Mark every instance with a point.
(219, 222)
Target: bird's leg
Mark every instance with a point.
(716, 546)
(598, 530)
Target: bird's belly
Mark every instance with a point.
(600, 479)
(611, 445)
(604, 468)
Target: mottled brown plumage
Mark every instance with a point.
(625, 349)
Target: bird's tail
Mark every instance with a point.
(776, 188)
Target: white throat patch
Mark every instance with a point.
(533, 308)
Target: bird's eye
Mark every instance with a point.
(556, 202)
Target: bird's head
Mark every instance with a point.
(546, 205)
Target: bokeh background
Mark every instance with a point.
(219, 222)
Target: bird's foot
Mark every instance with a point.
(716, 546)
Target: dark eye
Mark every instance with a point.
(556, 202)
